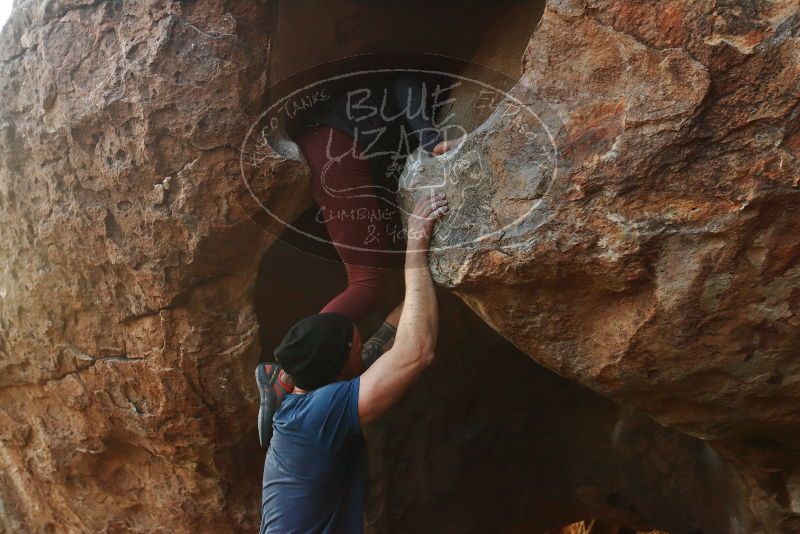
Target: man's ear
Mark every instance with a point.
(289, 379)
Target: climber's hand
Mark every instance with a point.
(446, 145)
(429, 209)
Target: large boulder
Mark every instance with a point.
(638, 239)
(628, 217)
(127, 260)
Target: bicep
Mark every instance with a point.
(386, 381)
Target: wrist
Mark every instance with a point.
(417, 240)
(417, 256)
(417, 245)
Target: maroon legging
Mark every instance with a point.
(354, 216)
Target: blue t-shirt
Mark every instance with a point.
(316, 463)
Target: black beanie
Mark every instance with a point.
(316, 349)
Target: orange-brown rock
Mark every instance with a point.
(654, 256)
(648, 253)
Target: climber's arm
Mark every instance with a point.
(383, 339)
(446, 145)
(390, 376)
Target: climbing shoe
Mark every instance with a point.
(272, 388)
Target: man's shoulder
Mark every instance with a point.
(324, 394)
(332, 408)
(334, 390)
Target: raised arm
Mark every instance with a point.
(389, 377)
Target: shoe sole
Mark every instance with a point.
(263, 381)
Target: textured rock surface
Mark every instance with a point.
(659, 265)
(128, 337)
(659, 268)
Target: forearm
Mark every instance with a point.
(418, 325)
(389, 378)
(386, 381)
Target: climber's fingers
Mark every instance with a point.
(444, 146)
(435, 209)
(433, 213)
(428, 204)
(428, 210)
(439, 210)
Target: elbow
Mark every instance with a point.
(429, 357)
(425, 358)
(426, 349)
(419, 354)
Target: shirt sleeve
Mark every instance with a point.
(408, 91)
(336, 409)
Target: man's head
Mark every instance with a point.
(321, 349)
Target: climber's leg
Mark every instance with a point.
(353, 215)
(364, 291)
(342, 188)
